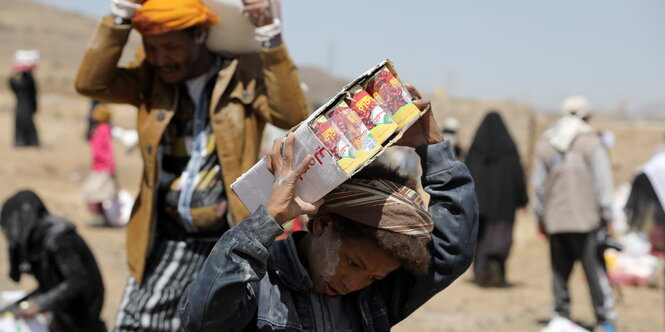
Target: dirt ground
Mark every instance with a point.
(56, 170)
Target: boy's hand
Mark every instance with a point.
(425, 130)
(284, 203)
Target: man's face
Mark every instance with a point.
(171, 54)
(338, 266)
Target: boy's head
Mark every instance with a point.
(368, 227)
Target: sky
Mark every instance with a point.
(536, 52)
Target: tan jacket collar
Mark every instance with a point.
(223, 78)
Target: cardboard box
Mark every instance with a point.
(330, 166)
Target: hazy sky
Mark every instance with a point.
(532, 51)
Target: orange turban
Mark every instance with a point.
(156, 17)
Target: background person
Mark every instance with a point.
(451, 133)
(645, 207)
(70, 286)
(498, 176)
(101, 185)
(573, 200)
(24, 87)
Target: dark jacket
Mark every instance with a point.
(70, 286)
(249, 283)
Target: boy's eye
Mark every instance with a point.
(350, 262)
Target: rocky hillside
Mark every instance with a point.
(60, 37)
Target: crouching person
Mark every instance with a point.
(373, 255)
(48, 247)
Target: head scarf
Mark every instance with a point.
(495, 165)
(25, 60)
(20, 217)
(564, 132)
(380, 204)
(156, 17)
(578, 106)
(101, 113)
(654, 169)
(492, 140)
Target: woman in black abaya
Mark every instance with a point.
(500, 186)
(23, 85)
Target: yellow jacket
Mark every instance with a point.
(250, 91)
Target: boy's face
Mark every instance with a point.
(338, 266)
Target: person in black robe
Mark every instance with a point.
(23, 85)
(70, 286)
(500, 186)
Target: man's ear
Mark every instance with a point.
(320, 224)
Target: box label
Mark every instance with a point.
(373, 116)
(392, 97)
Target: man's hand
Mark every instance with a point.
(610, 227)
(28, 310)
(541, 229)
(125, 8)
(284, 203)
(425, 130)
(259, 12)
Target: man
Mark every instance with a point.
(200, 120)
(450, 133)
(573, 197)
(372, 257)
(48, 247)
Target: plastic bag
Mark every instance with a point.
(118, 210)
(9, 322)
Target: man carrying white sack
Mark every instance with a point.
(200, 120)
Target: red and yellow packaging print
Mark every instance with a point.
(374, 117)
(353, 127)
(389, 93)
(348, 158)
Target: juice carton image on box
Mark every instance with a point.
(347, 122)
(338, 145)
(334, 156)
(392, 96)
(374, 117)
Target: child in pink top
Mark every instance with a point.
(101, 184)
(102, 149)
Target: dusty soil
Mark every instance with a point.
(55, 171)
